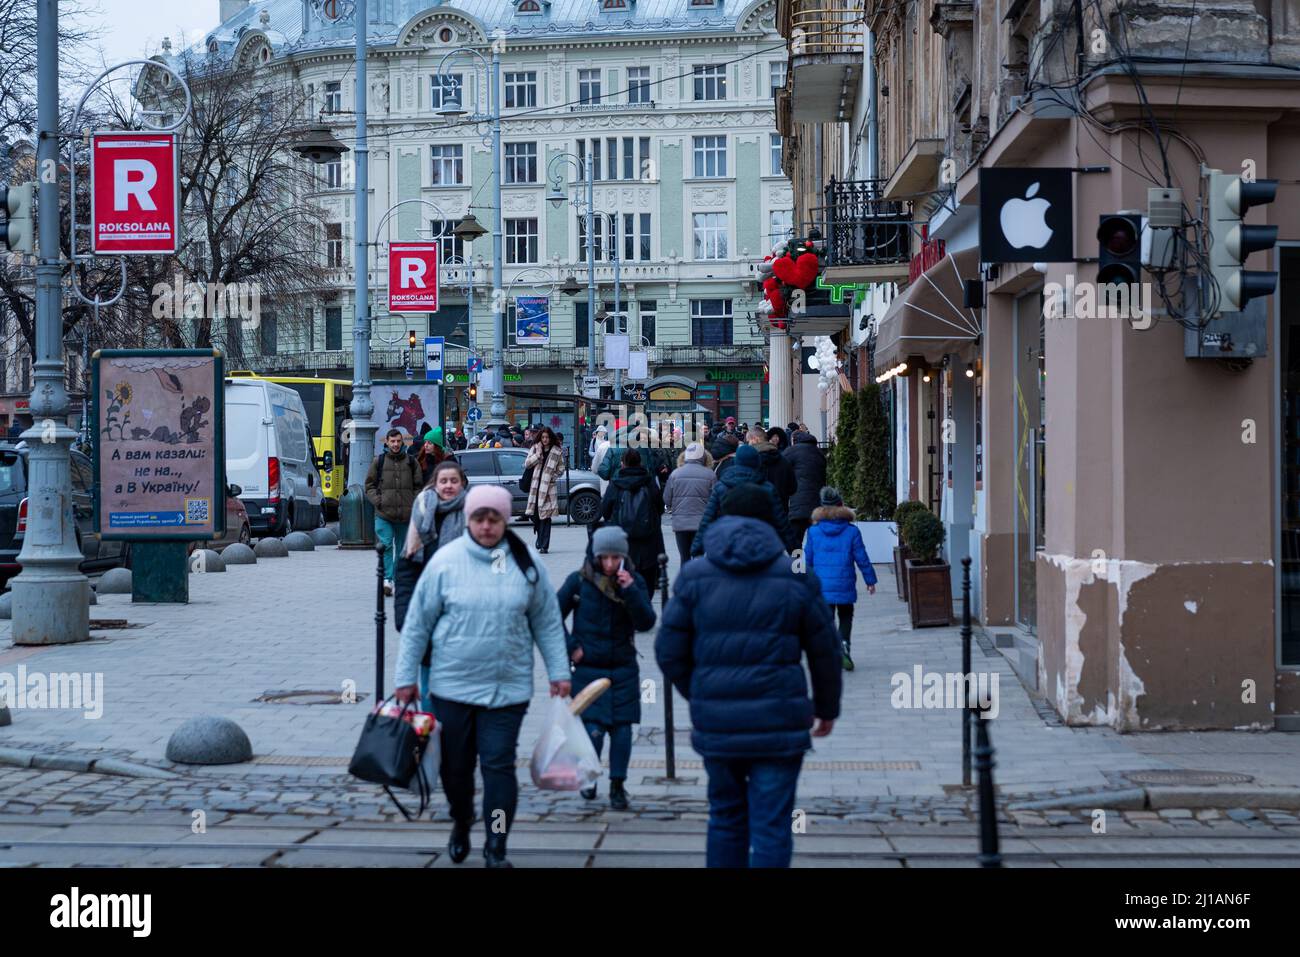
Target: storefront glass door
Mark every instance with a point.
(1030, 445)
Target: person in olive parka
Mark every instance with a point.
(610, 604)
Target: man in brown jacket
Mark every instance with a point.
(391, 486)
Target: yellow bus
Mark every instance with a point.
(326, 402)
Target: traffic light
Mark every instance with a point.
(1119, 249)
(473, 391)
(410, 339)
(1232, 241)
(17, 203)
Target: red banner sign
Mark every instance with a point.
(932, 250)
(413, 277)
(134, 193)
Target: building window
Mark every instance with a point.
(334, 245)
(647, 172)
(521, 89)
(333, 328)
(442, 89)
(449, 244)
(521, 162)
(334, 174)
(606, 229)
(529, 6)
(580, 336)
(711, 322)
(638, 84)
(648, 309)
(710, 155)
(26, 370)
(776, 71)
(710, 235)
(711, 81)
(780, 226)
(774, 153)
(703, 3)
(629, 159)
(448, 165)
(266, 331)
(333, 96)
(589, 86)
(521, 240)
(613, 4)
(636, 237)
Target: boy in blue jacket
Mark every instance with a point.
(832, 547)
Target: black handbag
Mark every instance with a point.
(388, 753)
(526, 480)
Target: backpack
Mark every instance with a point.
(635, 514)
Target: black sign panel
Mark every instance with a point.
(1026, 215)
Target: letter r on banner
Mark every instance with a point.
(413, 273)
(126, 186)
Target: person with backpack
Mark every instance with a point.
(833, 547)
(633, 502)
(546, 461)
(809, 466)
(686, 494)
(610, 603)
(392, 483)
(745, 471)
(732, 641)
(481, 606)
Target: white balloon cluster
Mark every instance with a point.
(825, 361)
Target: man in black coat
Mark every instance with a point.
(645, 544)
(809, 466)
(739, 664)
(744, 472)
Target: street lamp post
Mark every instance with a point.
(557, 196)
(453, 107)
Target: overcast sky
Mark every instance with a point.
(132, 29)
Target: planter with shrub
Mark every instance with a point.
(929, 578)
(901, 553)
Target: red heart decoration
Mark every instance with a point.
(805, 271)
(783, 269)
(772, 293)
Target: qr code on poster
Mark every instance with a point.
(196, 511)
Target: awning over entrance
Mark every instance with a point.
(927, 318)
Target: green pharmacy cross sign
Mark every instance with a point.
(838, 290)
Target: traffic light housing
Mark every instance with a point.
(1232, 241)
(473, 391)
(1119, 249)
(410, 339)
(17, 203)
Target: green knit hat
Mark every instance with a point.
(434, 435)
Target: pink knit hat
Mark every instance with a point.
(488, 496)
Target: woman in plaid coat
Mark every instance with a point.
(547, 460)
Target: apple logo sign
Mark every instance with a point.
(1024, 221)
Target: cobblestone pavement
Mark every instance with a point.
(61, 818)
(305, 623)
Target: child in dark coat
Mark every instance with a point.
(610, 602)
(833, 547)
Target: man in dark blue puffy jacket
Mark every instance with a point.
(739, 664)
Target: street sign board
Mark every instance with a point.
(638, 366)
(134, 193)
(474, 364)
(433, 358)
(412, 277)
(616, 351)
(160, 456)
(474, 413)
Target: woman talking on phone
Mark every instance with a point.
(610, 604)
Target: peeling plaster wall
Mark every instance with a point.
(1136, 646)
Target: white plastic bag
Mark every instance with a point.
(564, 759)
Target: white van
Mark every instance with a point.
(269, 455)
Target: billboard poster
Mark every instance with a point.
(533, 320)
(160, 454)
(413, 407)
(412, 277)
(134, 193)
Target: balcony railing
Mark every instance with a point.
(825, 27)
(861, 228)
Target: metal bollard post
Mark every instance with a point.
(988, 855)
(380, 620)
(670, 734)
(967, 679)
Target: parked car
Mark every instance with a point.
(506, 467)
(238, 528)
(270, 456)
(97, 554)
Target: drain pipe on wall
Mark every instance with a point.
(873, 152)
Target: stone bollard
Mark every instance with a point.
(324, 536)
(271, 548)
(209, 739)
(238, 554)
(299, 542)
(115, 581)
